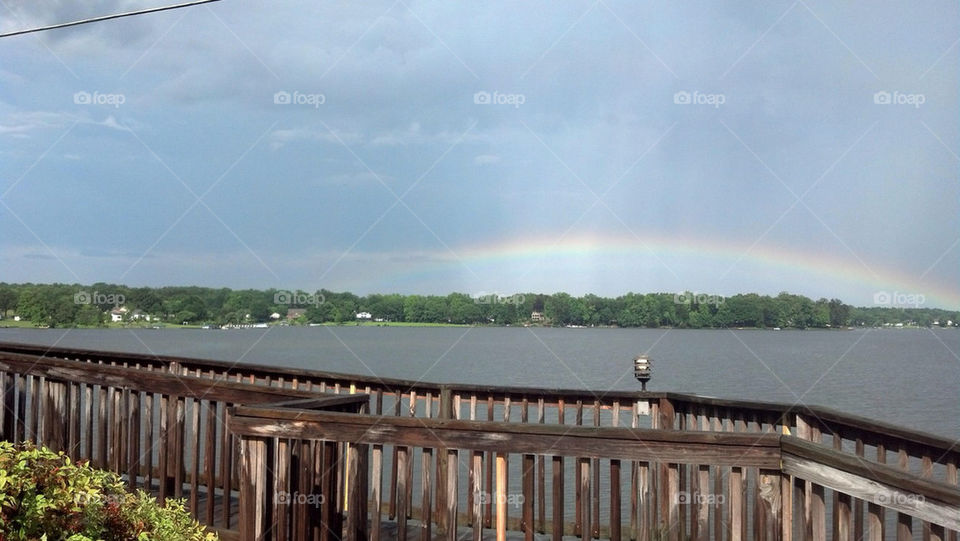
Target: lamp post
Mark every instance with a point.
(641, 370)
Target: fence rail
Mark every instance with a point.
(637, 465)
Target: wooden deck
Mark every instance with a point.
(317, 455)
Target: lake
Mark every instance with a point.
(907, 377)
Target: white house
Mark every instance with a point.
(364, 315)
(117, 314)
(275, 315)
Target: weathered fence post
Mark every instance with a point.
(357, 492)
(445, 412)
(770, 496)
(663, 419)
(253, 488)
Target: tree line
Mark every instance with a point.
(71, 305)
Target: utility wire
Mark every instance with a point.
(106, 18)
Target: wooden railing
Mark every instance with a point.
(162, 432)
(642, 493)
(812, 505)
(456, 449)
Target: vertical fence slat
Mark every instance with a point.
(595, 470)
(476, 488)
(357, 493)
(401, 495)
(178, 446)
(164, 448)
(73, 437)
(541, 477)
(194, 407)
(226, 469)
(584, 491)
(500, 496)
(904, 521)
(134, 447)
(858, 523)
(557, 483)
(253, 498)
(282, 492)
(527, 478)
(701, 532)
(841, 503)
(818, 510)
(451, 501)
(376, 496)
(875, 512)
(770, 507)
(426, 464)
(209, 452)
(148, 436)
(716, 423)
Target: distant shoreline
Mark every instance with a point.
(29, 325)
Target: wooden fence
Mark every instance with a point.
(162, 432)
(842, 476)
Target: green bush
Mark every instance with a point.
(44, 495)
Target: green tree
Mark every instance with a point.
(90, 316)
(559, 309)
(839, 313)
(462, 309)
(30, 306)
(8, 299)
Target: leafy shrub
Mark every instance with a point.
(44, 495)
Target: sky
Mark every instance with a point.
(498, 147)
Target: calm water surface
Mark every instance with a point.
(907, 377)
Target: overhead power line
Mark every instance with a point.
(106, 18)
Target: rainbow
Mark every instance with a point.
(724, 255)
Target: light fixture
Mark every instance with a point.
(641, 370)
